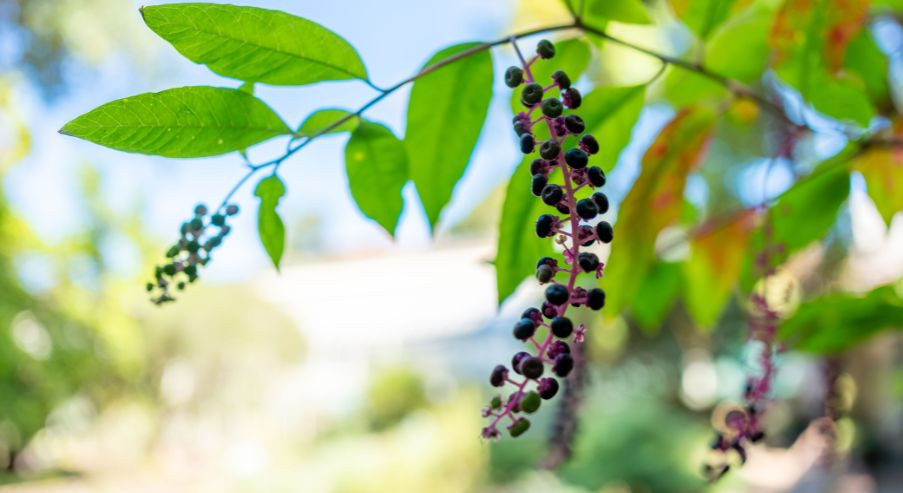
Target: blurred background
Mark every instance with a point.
(257, 381)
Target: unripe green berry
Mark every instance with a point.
(530, 402)
(496, 402)
(544, 274)
(519, 427)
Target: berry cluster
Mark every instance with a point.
(563, 158)
(199, 236)
(742, 426)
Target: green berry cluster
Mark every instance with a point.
(198, 237)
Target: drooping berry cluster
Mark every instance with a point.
(741, 426)
(561, 176)
(199, 236)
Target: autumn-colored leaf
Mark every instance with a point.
(655, 201)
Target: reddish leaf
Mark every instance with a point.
(655, 201)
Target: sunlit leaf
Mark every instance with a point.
(654, 202)
(269, 225)
(703, 16)
(883, 173)
(377, 167)
(518, 246)
(686, 88)
(837, 322)
(319, 120)
(865, 59)
(184, 122)
(739, 48)
(610, 114)
(446, 112)
(254, 44)
(716, 261)
(629, 11)
(571, 55)
(806, 211)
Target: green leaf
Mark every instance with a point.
(446, 112)
(269, 225)
(319, 120)
(864, 59)
(571, 55)
(685, 88)
(715, 263)
(254, 44)
(739, 49)
(702, 16)
(518, 246)
(610, 114)
(806, 211)
(656, 295)
(377, 167)
(883, 173)
(809, 43)
(183, 122)
(654, 202)
(837, 322)
(629, 11)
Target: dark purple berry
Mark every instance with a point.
(549, 150)
(538, 182)
(601, 201)
(552, 194)
(520, 129)
(563, 365)
(563, 208)
(498, 376)
(576, 158)
(586, 209)
(539, 167)
(552, 107)
(546, 225)
(517, 359)
(556, 348)
(547, 388)
(586, 235)
(545, 49)
(574, 124)
(557, 294)
(527, 143)
(531, 367)
(514, 76)
(588, 261)
(217, 219)
(589, 144)
(200, 210)
(549, 310)
(595, 298)
(572, 98)
(561, 326)
(524, 329)
(605, 232)
(547, 261)
(532, 313)
(596, 176)
(561, 79)
(531, 94)
(544, 274)
(231, 209)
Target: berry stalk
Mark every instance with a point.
(554, 349)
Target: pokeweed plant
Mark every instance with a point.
(563, 156)
(745, 63)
